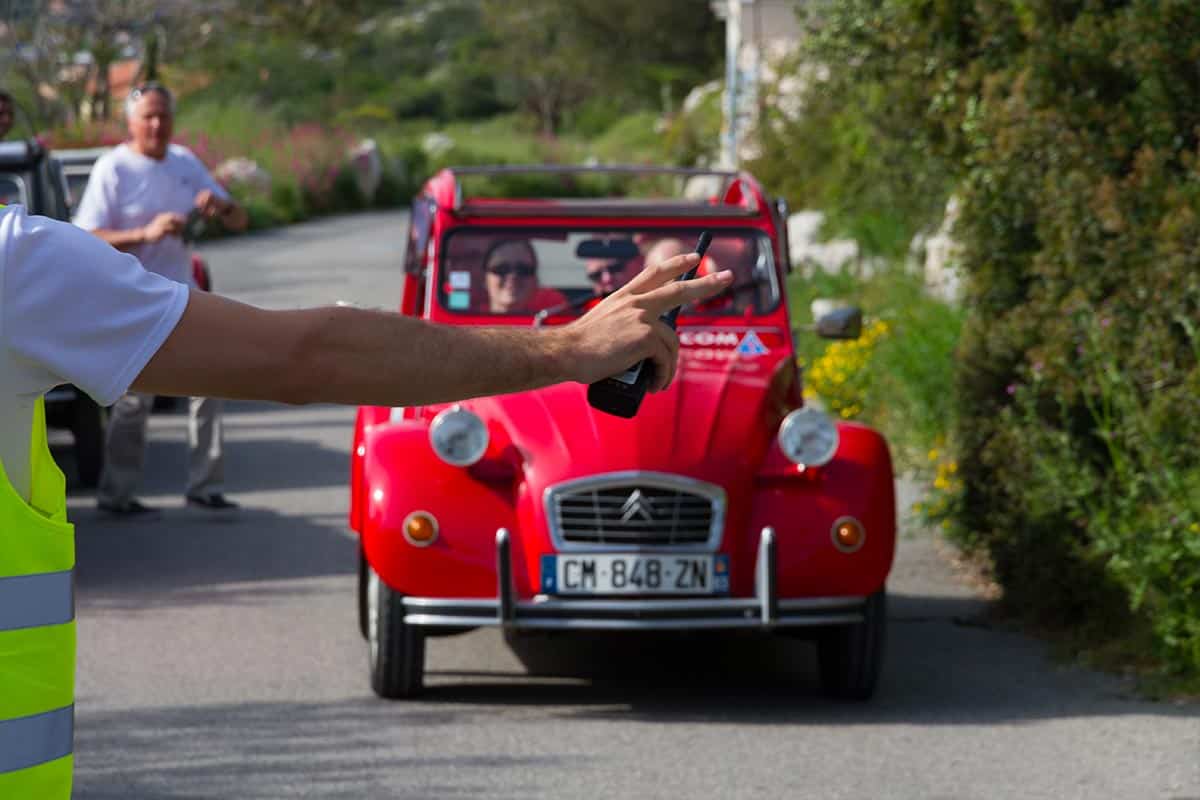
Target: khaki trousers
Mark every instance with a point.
(125, 450)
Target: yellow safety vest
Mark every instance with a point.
(37, 630)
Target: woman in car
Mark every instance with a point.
(510, 271)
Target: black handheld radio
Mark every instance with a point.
(621, 395)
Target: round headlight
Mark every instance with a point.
(808, 436)
(458, 436)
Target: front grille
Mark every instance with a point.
(646, 511)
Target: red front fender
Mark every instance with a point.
(401, 474)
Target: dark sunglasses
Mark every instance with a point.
(613, 270)
(504, 269)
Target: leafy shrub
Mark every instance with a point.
(843, 373)
(417, 98)
(1126, 481)
(1072, 131)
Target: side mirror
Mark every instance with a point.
(840, 323)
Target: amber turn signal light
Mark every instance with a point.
(420, 528)
(848, 534)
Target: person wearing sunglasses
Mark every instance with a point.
(608, 275)
(511, 277)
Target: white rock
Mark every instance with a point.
(436, 143)
(943, 278)
(808, 253)
(366, 162)
(243, 171)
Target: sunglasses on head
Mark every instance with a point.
(504, 269)
(613, 270)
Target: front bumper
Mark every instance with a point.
(765, 610)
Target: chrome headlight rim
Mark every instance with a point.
(443, 425)
(793, 429)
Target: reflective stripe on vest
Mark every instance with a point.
(37, 629)
(27, 601)
(29, 741)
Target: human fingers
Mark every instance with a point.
(663, 378)
(656, 275)
(681, 293)
(663, 354)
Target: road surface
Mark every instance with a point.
(224, 661)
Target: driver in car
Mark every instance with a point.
(606, 275)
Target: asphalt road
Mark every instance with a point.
(223, 660)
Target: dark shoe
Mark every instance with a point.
(130, 509)
(212, 502)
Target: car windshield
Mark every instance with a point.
(12, 190)
(520, 272)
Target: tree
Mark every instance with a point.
(542, 56)
(59, 48)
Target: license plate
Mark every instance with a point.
(597, 573)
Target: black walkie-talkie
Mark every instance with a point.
(621, 395)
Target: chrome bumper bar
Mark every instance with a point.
(765, 610)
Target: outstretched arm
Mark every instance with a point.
(226, 349)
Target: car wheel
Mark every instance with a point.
(850, 656)
(397, 650)
(87, 426)
(362, 593)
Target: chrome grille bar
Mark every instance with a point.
(635, 510)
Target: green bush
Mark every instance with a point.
(1122, 476)
(346, 196)
(1081, 200)
(1071, 133)
(286, 201)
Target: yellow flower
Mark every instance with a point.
(933, 455)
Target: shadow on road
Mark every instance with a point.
(272, 460)
(942, 667)
(183, 557)
(272, 750)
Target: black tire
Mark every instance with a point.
(396, 650)
(851, 656)
(87, 426)
(362, 593)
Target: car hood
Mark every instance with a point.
(714, 423)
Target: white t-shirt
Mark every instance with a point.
(72, 310)
(128, 190)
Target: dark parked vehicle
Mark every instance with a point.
(30, 177)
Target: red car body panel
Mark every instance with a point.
(717, 423)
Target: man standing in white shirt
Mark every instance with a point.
(138, 199)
